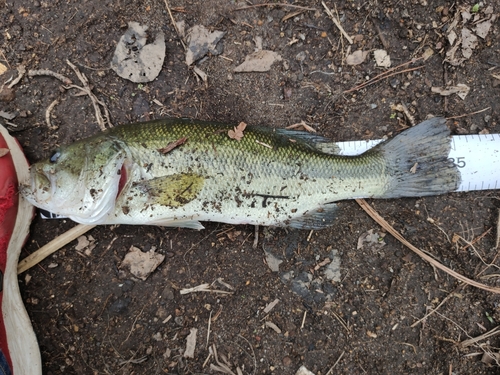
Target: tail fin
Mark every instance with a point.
(417, 159)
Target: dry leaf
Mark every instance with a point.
(201, 41)
(427, 53)
(172, 145)
(4, 151)
(382, 58)
(259, 61)
(141, 264)
(461, 90)
(237, 133)
(482, 29)
(3, 69)
(190, 343)
(134, 59)
(469, 42)
(356, 57)
(304, 371)
(273, 262)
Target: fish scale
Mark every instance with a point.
(269, 177)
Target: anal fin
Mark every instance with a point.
(316, 219)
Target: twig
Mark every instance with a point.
(208, 329)
(336, 363)
(495, 331)
(52, 247)
(133, 324)
(375, 216)
(468, 114)
(175, 25)
(379, 78)
(47, 114)
(337, 23)
(437, 307)
(498, 230)
(21, 71)
(46, 72)
(276, 4)
(380, 35)
(303, 319)
(95, 102)
(253, 354)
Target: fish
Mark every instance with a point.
(181, 172)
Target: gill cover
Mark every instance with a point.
(80, 181)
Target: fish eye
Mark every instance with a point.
(55, 156)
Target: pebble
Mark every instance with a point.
(119, 306)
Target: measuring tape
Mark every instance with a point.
(477, 157)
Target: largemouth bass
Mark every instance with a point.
(178, 172)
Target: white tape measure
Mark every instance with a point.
(477, 157)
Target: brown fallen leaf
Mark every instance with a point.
(4, 151)
(237, 133)
(172, 145)
(259, 61)
(356, 58)
(141, 264)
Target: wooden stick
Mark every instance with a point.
(337, 23)
(375, 216)
(52, 247)
(276, 4)
(175, 25)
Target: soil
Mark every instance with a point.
(93, 317)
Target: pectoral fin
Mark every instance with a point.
(174, 190)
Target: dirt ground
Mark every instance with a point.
(93, 317)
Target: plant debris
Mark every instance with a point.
(237, 133)
(258, 61)
(201, 41)
(85, 244)
(190, 343)
(371, 240)
(142, 264)
(172, 145)
(382, 58)
(134, 59)
(463, 41)
(461, 90)
(356, 58)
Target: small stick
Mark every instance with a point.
(276, 4)
(498, 230)
(52, 247)
(256, 237)
(336, 363)
(379, 78)
(46, 72)
(437, 308)
(468, 114)
(337, 23)
(380, 35)
(375, 216)
(95, 102)
(21, 71)
(208, 329)
(175, 25)
(47, 114)
(408, 114)
(303, 319)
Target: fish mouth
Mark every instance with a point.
(39, 189)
